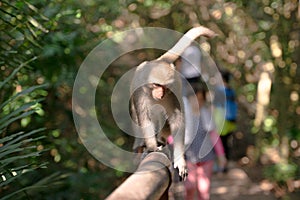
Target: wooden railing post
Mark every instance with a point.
(150, 181)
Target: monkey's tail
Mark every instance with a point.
(185, 41)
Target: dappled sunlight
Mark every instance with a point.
(263, 97)
(270, 155)
(236, 185)
(44, 43)
(220, 190)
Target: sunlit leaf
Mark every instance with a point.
(12, 75)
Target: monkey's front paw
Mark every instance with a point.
(180, 166)
(151, 148)
(159, 148)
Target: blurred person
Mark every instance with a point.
(189, 67)
(225, 106)
(190, 63)
(200, 168)
(202, 144)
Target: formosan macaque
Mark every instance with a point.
(156, 101)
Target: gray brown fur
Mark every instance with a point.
(160, 118)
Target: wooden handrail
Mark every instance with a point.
(150, 181)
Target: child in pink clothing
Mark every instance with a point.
(202, 145)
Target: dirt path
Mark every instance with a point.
(236, 185)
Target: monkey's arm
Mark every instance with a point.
(177, 129)
(138, 140)
(146, 126)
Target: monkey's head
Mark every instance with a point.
(158, 75)
(161, 73)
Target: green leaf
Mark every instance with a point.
(23, 115)
(10, 160)
(23, 108)
(9, 179)
(51, 180)
(21, 170)
(12, 75)
(19, 136)
(9, 137)
(23, 93)
(14, 149)
(36, 24)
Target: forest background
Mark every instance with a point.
(43, 43)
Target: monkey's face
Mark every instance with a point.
(157, 91)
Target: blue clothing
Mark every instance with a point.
(225, 98)
(231, 106)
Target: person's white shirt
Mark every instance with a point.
(190, 66)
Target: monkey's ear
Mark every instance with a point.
(172, 66)
(141, 74)
(141, 66)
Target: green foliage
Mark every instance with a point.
(46, 41)
(76, 27)
(15, 153)
(281, 172)
(21, 146)
(21, 95)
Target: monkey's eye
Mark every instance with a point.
(155, 85)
